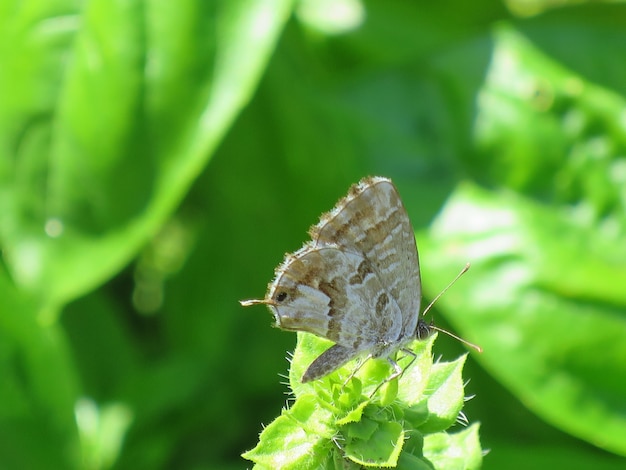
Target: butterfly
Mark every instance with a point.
(356, 282)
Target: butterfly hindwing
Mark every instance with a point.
(336, 295)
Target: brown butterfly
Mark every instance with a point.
(356, 283)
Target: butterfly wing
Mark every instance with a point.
(371, 221)
(334, 294)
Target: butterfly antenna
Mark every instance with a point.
(458, 338)
(441, 330)
(463, 271)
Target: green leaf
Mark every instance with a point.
(363, 429)
(445, 395)
(353, 416)
(545, 299)
(39, 386)
(545, 131)
(601, 39)
(102, 431)
(459, 451)
(331, 414)
(299, 438)
(417, 414)
(114, 112)
(415, 378)
(413, 457)
(382, 449)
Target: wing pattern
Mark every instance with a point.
(357, 281)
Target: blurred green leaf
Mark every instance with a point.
(111, 111)
(539, 303)
(39, 387)
(585, 38)
(126, 102)
(543, 130)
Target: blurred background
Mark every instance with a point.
(159, 158)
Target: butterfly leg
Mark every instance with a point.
(356, 369)
(397, 370)
(408, 352)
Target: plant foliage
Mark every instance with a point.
(333, 424)
(158, 158)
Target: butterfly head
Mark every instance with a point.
(423, 330)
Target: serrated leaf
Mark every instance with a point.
(417, 414)
(300, 450)
(458, 451)
(308, 347)
(445, 395)
(314, 419)
(382, 449)
(353, 416)
(362, 430)
(299, 438)
(414, 379)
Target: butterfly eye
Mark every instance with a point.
(423, 330)
(281, 296)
